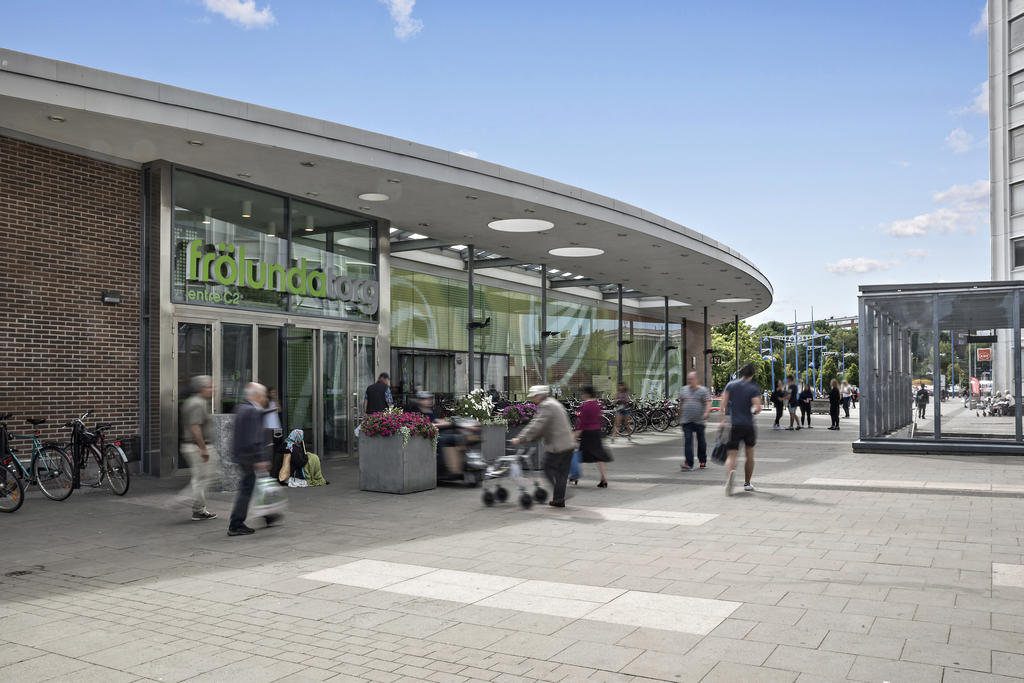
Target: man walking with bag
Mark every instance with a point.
(694, 408)
(551, 423)
(251, 454)
(742, 400)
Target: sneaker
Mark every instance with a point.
(810, 427)
(728, 483)
(203, 514)
(686, 468)
(798, 428)
(789, 429)
(240, 531)
(748, 486)
(703, 465)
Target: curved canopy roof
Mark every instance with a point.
(445, 196)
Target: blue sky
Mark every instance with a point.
(833, 143)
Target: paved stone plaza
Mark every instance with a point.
(840, 566)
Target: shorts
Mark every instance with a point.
(745, 433)
(792, 409)
(622, 411)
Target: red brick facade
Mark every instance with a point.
(69, 230)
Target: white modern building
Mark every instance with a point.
(1006, 130)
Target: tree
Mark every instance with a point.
(853, 374)
(828, 372)
(723, 341)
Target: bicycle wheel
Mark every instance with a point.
(628, 426)
(53, 471)
(12, 491)
(660, 420)
(115, 468)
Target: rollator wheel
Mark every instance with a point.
(525, 500)
(501, 493)
(488, 498)
(540, 495)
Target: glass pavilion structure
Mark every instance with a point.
(946, 339)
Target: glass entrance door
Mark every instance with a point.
(335, 391)
(299, 390)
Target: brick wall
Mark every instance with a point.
(69, 230)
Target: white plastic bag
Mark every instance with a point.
(268, 497)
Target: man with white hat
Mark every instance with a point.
(551, 424)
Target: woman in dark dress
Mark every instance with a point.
(834, 399)
(588, 431)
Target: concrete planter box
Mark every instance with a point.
(492, 441)
(388, 467)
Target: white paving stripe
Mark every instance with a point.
(678, 613)
(1008, 575)
(924, 485)
(647, 516)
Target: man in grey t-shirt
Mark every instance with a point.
(694, 407)
(197, 434)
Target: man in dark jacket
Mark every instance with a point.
(251, 452)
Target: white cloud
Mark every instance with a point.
(959, 140)
(981, 28)
(847, 266)
(966, 208)
(242, 12)
(401, 13)
(979, 105)
(468, 153)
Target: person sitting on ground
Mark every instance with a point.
(305, 469)
(447, 436)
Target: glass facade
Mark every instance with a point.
(941, 366)
(430, 312)
(238, 247)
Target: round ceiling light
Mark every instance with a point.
(575, 252)
(374, 197)
(520, 225)
(733, 301)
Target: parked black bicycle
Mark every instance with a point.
(111, 461)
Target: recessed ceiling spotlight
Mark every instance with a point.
(576, 252)
(196, 143)
(374, 197)
(733, 301)
(505, 246)
(365, 208)
(244, 175)
(56, 118)
(394, 180)
(624, 260)
(312, 194)
(307, 164)
(574, 244)
(520, 225)
(471, 196)
(423, 225)
(529, 210)
(623, 234)
(581, 222)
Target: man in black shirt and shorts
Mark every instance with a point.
(741, 400)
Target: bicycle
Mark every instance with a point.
(110, 458)
(50, 468)
(12, 491)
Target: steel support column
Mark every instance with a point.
(736, 331)
(666, 348)
(619, 290)
(685, 354)
(707, 350)
(865, 372)
(470, 262)
(544, 323)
